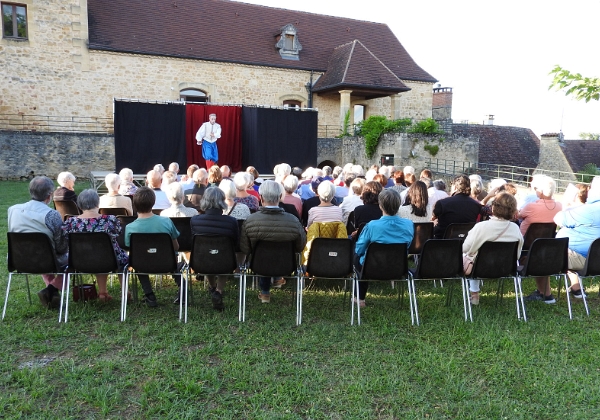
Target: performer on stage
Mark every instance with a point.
(207, 136)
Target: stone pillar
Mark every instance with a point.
(345, 107)
(395, 106)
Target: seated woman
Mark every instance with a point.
(214, 176)
(214, 223)
(418, 209)
(370, 210)
(174, 192)
(499, 228)
(325, 211)
(239, 211)
(127, 186)
(242, 181)
(290, 184)
(66, 189)
(389, 229)
(92, 221)
(113, 199)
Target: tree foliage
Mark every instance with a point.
(574, 84)
(373, 127)
(589, 136)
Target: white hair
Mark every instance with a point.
(174, 192)
(174, 166)
(290, 184)
(112, 182)
(385, 170)
(65, 177)
(242, 180)
(126, 175)
(358, 170)
(200, 175)
(270, 192)
(168, 178)
(408, 170)
(228, 187)
(159, 168)
(370, 174)
(545, 184)
(326, 191)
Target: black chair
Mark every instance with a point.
(210, 256)
(329, 258)
(458, 230)
(89, 253)
(29, 254)
(383, 262)
(441, 259)
(272, 259)
(113, 211)
(350, 223)
(182, 224)
(498, 260)
(124, 220)
(66, 208)
(547, 258)
(535, 231)
(149, 253)
(591, 268)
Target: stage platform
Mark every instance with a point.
(97, 180)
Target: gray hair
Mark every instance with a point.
(228, 189)
(408, 170)
(389, 201)
(213, 198)
(64, 177)
(358, 170)
(174, 166)
(88, 199)
(545, 184)
(200, 175)
(242, 180)
(439, 184)
(385, 170)
(174, 192)
(326, 191)
(270, 192)
(159, 168)
(290, 184)
(327, 170)
(126, 175)
(40, 188)
(112, 182)
(476, 187)
(337, 171)
(168, 178)
(282, 170)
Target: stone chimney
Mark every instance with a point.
(552, 157)
(441, 108)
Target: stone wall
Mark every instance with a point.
(51, 153)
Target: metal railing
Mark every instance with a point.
(52, 123)
(514, 174)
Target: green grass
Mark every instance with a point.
(152, 366)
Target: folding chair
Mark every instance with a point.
(548, 258)
(182, 224)
(273, 259)
(28, 254)
(89, 253)
(211, 255)
(331, 259)
(383, 262)
(114, 211)
(535, 231)
(66, 208)
(458, 230)
(441, 259)
(498, 260)
(591, 268)
(124, 220)
(149, 253)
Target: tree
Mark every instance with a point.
(587, 88)
(589, 136)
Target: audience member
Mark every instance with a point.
(174, 167)
(113, 199)
(242, 181)
(290, 184)
(226, 172)
(66, 189)
(36, 216)
(398, 178)
(325, 211)
(200, 178)
(437, 192)
(418, 210)
(352, 200)
(370, 210)
(159, 168)
(127, 186)
(154, 181)
(214, 176)
(175, 195)
(458, 208)
(168, 177)
(381, 179)
(238, 211)
(187, 181)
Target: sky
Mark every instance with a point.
(495, 56)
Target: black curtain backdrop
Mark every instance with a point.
(273, 136)
(147, 134)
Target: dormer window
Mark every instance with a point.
(287, 43)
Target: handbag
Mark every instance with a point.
(86, 292)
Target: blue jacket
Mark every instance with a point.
(387, 230)
(581, 225)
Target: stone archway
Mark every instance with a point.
(327, 163)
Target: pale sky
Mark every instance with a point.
(495, 55)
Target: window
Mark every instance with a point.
(14, 21)
(193, 95)
(287, 43)
(292, 104)
(359, 113)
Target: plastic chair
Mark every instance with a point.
(114, 211)
(149, 253)
(548, 258)
(423, 232)
(89, 253)
(591, 268)
(28, 254)
(124, 220)
(383, 262)
(498, 260)
(211, 255)
(535, 231)
(66, 208)
(441, 259)
(182, 224)
(350, 223)
(458, 230)
(331, 259)
(272, 259)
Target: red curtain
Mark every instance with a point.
(230, 143)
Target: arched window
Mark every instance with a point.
(193, 95)
(290, 103)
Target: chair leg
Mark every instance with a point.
(299, 287)
(28, 289)
(125, 289)
(7, 292)
(242, 307)
(583, 296)
(567, 292)
(466, 299)
(519, 284)
(413, 289)
(62, 296)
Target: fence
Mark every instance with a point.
(60, 124)
(514, 174)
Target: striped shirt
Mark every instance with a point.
(324, 214)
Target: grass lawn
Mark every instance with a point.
(152, 366)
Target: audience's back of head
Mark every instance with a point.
(504, 206)
(40, 188)
(370, 192)
(174, 192)
(213, 198)
(112, 182)
(461, 185)
(168, 178)
(88, 199)
(191, 169)
(270, 193)
(174, 167)
(154, 179)
(357, 186)
(200, 176)
(228, 188)
(389, 201)
(126, 175)
(144, 199)
(290, 184)
(326, 191)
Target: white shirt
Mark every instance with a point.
(349, 204)
(203, 133)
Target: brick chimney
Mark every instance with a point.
(441, 108)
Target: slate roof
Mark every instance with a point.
(581, 152)
(502, 145)
(229, 31)
(353, 66)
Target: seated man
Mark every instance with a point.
(187, 181)
(148, 222)
(154, 181)
(581, 225)
(36, 216)
(270, 223)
